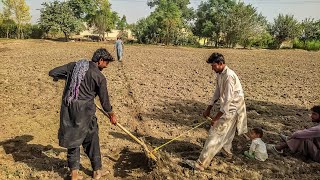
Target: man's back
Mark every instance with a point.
(230, 90)
(91, 83)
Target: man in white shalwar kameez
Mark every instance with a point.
(231, 117)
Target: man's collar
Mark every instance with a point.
(95, 65)
(224, 70)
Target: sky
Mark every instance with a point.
(137, 9)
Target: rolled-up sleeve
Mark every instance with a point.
(103, 95)
(227, 97)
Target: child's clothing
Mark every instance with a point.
(257, 150)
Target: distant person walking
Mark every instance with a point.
(232, 115)
(78, 123)
(119, 47)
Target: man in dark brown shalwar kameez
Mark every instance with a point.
(78, 123)
(306, 142)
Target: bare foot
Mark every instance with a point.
(195, 165)
(100, 173)
(75, 175)
(226, 155)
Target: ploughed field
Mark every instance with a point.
(157, 93)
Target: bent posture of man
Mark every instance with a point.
(78, 123)
(305, 142)
(231, 116)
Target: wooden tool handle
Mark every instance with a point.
(121, 127)
(131, 135)
(105, 113)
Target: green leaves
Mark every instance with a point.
(59, 15)
(104, 19)
(310, 29)
(227, 22)
(187, 13)
(285, 27)
(83, 9)
(211, 18)
(122, 24)
(164, 25)
(19, 11)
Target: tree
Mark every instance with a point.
(19, 11)
(310, 30)
(147, 30)
(211, 19)
(164, 23)
(317, 35)
(84, 9)
(122, 23)
(244, 25)
(1, 18)
(8, 28)
(104, 19)
(7, 25)
(186, 13)
(35, 32)
(168, 23)
(169, 18)
(59, 15)
(284, 27)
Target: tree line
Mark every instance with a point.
(223, 23)
(66, 17)
(218, 23)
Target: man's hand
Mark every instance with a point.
(216, 118)
(113, 118)
(206, 113)
(214, 121)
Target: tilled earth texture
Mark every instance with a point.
(157, 93)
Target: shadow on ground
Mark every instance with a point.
(130, 161)
(36, 156)
(178, 147)
(272, 117)
(188, 112)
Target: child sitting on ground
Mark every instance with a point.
(258, 148)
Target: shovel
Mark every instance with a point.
(148, 153)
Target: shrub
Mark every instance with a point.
(298, 44)
(307, 45)
(313, 45)
(36, 32)
(273, 44)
